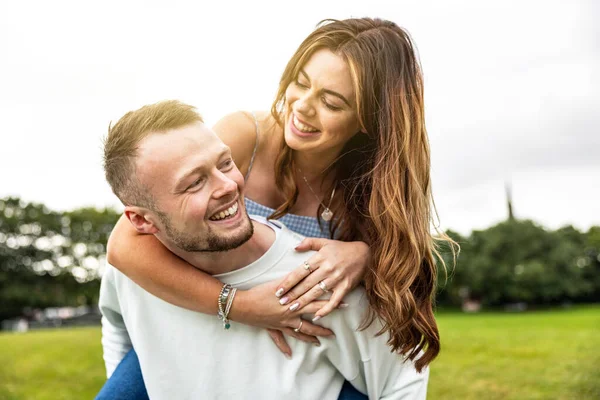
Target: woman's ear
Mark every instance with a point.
(141, 220)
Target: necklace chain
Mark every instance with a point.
(326, 214)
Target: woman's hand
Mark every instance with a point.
(337, 267)
(258, 307)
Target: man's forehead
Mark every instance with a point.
(174, 138)
(165, 156)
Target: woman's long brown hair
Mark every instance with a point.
(383, 177)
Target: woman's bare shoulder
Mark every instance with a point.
(238, 131)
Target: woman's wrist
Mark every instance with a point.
(239, 306)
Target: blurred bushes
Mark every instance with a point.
(49, 258)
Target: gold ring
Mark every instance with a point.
(299, 327)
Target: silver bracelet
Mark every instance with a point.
(226, 324)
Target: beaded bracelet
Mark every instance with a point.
(222, 300)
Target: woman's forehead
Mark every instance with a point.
(329, 69)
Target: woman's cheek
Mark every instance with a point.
(342, 129)
(290, 95)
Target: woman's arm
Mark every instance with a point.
(152, 266)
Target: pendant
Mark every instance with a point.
(327, 215)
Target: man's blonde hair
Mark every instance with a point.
(123, 139)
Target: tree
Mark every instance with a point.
(49, 258)
(518, 260)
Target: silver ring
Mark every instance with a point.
(323, 287)
(307, 267)
(299, 327)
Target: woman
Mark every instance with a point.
(343, 153)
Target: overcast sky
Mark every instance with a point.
(512, 91)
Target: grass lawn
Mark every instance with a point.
(534, 355)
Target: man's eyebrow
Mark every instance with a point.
(224, 150)
(178, 185)
(331, 92)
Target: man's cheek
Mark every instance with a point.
(196, 210)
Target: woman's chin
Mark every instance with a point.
(292, 141)
(297, 143)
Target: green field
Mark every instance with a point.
(534, 355)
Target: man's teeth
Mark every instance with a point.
(230, 212)
(303, 128)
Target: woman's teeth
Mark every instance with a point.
(230, 212)
(301, 127)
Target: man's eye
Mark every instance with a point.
(196, 183)
(228, 164)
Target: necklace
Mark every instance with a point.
(326, 214)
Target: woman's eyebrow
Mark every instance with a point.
(328, 91)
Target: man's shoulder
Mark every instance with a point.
(279, 227)
(113, 277)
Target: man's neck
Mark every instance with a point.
(220, 262)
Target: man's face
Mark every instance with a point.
(197, 189)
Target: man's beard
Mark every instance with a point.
(209, 241)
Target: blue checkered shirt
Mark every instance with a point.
(307, 226)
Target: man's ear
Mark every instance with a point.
(141, 219)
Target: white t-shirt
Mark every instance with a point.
(188, 355)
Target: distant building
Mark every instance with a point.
(54, 317)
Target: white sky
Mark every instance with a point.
(512, 91)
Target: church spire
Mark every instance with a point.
(511, 216)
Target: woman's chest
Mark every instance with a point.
(262, 188)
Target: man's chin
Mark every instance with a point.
(219, 243)
(213, 238)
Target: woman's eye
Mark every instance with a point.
(301, 84)
(331, 107)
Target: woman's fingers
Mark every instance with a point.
(302, 336)
(311, 329)
(318, 289)
(301, 289)
(334, 302)
(294, 280)
(311, 244)
(313, 307)
(280, 342)
(322, 273)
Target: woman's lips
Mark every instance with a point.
(298, 132)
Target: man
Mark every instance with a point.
(182, 186)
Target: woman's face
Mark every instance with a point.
(320, 106)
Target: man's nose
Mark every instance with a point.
(225, 186)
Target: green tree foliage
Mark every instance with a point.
(591, 262)
(519, 261)
(49, 258)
